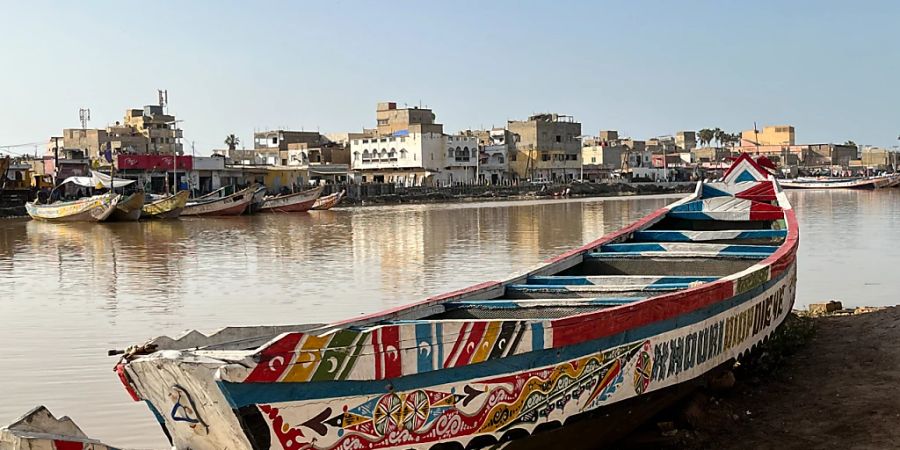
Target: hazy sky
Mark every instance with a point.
(645, 68)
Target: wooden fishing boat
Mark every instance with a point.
(89, 209)
(839, 183)
(328, 201)
(232, 205)
(128, 209)
(650, 307)
(259, 196)
(169, 207)
(296, 202)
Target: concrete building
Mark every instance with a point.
(770, 135)
(877, 158)
(415, 160)
(147, 130)
(391, 119)
(160, 129)
(548, 147)
(493, 167)
(409, 148)
(686, 140)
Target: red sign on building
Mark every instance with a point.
(154, 162)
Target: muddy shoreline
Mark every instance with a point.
(835, 387)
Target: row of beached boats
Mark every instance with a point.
(138, 205)
(873, 182)
(588, 335)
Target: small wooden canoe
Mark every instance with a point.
(167, 207)
(89, 209)
(128, 209)
(232, 205)
(296, 202)
(657, 304)
(328, 201)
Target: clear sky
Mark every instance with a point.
(645, 68)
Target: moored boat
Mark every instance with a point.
(875, 182)
(656, 304)
(328, 201)
(128, 209)
(168, 207)
(89, 209)
(296, 202)
(231, 205)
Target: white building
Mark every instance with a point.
(494, 163)
(414, 159)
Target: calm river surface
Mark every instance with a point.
(70, 292)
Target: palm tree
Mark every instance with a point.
(705, 136)
(232, 142)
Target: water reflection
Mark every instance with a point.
(76, 290)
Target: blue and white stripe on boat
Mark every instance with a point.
(637, 281)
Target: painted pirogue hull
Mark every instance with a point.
(128, 208)
(297, 202)
(499, 359)
(166, 208)
(860, 183)
(91, 209)
(328, 201)
(232, 205)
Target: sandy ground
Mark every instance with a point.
(841, 390)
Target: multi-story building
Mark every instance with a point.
(548, 147)
(686, 140)
(409, 148)
(493, 165)
(770, 135)
(391, 119)
(160, 129)
(284, 147)
(144, 131)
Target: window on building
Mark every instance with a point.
(274, 140)
(283, 161)
(356, 156)
(558, 138)
(593, 159)
(512, 157)
(545, 157)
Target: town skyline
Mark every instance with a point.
(625, 72)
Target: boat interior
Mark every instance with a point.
(679, 251)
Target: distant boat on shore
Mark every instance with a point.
(328, 201)
(231, 205)
(296, 202)
(89, 209)
(876, 182)
(128, 209)
(168, 207)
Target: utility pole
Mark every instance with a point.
(55, 159)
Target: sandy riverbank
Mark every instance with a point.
(838, 390)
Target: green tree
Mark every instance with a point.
(232, 141)
(705, 136)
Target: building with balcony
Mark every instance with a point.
(493, 164)
(548, 147)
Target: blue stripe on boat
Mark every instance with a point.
(561, 288)
(633, 247)
(242, 394)
(537, 336)
(679, 236)
(764, 249)
(423, 335)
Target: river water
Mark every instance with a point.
(70, 292)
